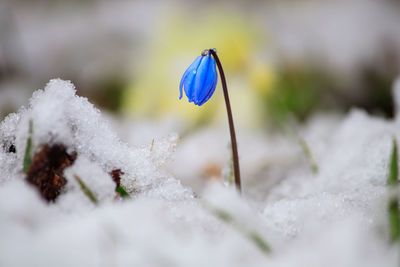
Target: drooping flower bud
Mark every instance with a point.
(200, 79)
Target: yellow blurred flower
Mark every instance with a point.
(181, 38)
(262, 78)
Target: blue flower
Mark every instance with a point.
(200, 79)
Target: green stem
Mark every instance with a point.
(28, 149)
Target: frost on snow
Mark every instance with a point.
(59, 117)
(337, 217)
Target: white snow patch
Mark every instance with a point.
(337, 217)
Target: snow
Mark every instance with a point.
(336, 217)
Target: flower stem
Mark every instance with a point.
(236, 169)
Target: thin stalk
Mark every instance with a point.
(236, 169)
(86, 190)
(393, 181)
(28, 149)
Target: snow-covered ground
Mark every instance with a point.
(286, 216)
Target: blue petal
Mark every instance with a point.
(211, 91)
(209, 85)
(188, 76)
(203, 80)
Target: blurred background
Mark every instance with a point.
(286, 63)
(284, 60)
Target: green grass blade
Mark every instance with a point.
(122, 192)
(86, 189)
(259, 242)
(223, 215)
(307, 152)
(254, 237)
(394, 171)
(392, 181)
(28, 149)
(394, 220)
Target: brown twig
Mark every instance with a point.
(236, 169)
